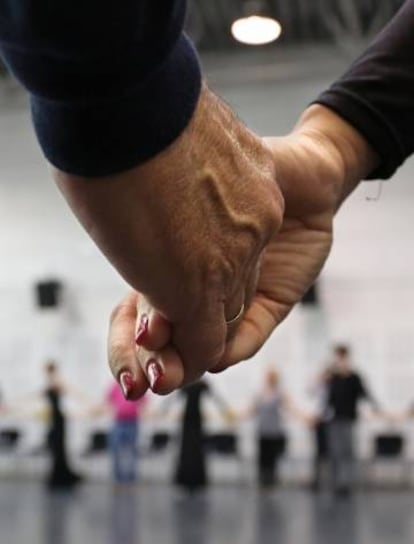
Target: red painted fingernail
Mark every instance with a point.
(154, 372)
(126, 382)
(142, 330)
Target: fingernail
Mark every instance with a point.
(154, 372)
(126, 381)
(142, 330)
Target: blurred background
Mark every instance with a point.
(57, 291)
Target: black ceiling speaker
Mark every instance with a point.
(311, 296)
(48, 293)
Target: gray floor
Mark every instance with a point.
(98, 513)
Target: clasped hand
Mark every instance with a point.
(218, 221)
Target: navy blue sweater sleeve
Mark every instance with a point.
(376, 94)
(111, 83)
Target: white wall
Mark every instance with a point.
(367, 286)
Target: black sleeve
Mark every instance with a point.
(361, 390)
(111, 83)
(376, 94)
(364, 393)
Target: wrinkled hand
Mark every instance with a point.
(317, 166)
(290, 263)
(187, 230)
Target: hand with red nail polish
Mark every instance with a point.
(148, 362)
(187, 228)
(294, 257)
(122, 349)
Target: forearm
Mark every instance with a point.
(353, 156)
(320, 162)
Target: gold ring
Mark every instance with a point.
(237, 317)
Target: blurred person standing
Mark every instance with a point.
(124, 434)
(269, 409)
(191, 471)
(61, 476)
(346, 389)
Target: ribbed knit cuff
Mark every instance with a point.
(108, 136)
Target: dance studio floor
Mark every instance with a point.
(100, 514)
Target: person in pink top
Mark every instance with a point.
(124, 434)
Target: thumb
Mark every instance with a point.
(121, 349)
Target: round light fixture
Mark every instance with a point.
(256, 30)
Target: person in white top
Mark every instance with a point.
(269, 408)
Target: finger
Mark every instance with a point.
(200, 338)
(234, 313)
(258, 324)
(201, 341)
(160, 363)
(164, 369)
(249, 293)
(251, 286)
(153, 330)
(121, 349)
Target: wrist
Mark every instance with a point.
(348, 153)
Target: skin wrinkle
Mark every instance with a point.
(293, 258)
(237, 152)
(238, 218)
(355, 157)
(204, 176)
(253, 154)
(263, 171)
(262, 175)
(238, 221)
(235, 156)
(119, 349)
(209, 179)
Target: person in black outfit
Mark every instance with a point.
(346, 389)
(61, 476)
(191, 471)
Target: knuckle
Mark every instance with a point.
(215, 271)
(221, 274)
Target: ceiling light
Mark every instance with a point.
(255, 27)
